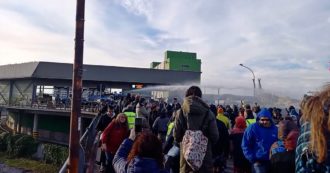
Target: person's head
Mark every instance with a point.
(154, 107)
(264, 118)
(240, 122)
(256, 109)
(248, 114)
(147, 145)
(142, 101)
(247, 107)
(229, 109)
(316, 111)
(121, 119)
(291, 140)
(220, 110)
(270, 110)
(110, 109)
(175, 100)
(291, 108)
(213, 109)
(194, 91)
(235, 108)
(285, 127)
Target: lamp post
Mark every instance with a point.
(253, 79)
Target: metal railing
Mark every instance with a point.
(88, 146)
(92, 107)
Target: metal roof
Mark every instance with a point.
(53, 70)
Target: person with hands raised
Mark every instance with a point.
(140, 153)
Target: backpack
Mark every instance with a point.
(194, 146)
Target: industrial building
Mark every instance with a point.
(28, 90)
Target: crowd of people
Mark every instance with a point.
(143, 136)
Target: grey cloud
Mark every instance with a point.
(285, 42)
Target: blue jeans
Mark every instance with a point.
(261, 167)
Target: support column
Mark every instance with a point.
(35, 132)
(19, 124)
(80, 126)
(10, 99)
(34, 94)
(15, 124)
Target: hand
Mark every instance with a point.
(132, 135)
(104, 147)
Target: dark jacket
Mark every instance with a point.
(308, 164)
(160, 124)
(152, 117)
(103, 122)
(282, 152)
(221, 148)
(194, 109)
(239, 160)
(282, 161)
(137, 165)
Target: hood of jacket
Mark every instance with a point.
(294, 112)
(194, 105)
(265, 113)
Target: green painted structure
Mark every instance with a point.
(182, 61)
(179, 61)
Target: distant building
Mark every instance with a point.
(179, 61)
(21, 84)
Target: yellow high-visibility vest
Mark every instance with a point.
(250, 121)
(169, 128)
(130, 118)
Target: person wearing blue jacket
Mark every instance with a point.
(140, 155)
(257, 141)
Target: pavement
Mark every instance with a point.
(229, 167)
(6, 169)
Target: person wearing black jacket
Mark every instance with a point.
(104, 121)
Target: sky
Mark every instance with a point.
(285, 43)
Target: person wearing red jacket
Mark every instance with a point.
(113, 135)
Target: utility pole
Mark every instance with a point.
(74, 145)
(253, 80)
(218, 96)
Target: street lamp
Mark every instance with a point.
(253, 80)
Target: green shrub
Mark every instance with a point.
(25, 146)
(3, 140)
(20, 145)
(55, 154)
(11, 144)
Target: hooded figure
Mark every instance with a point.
(193, 113)
(294, 115)
(241, 164)
(258, 139)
